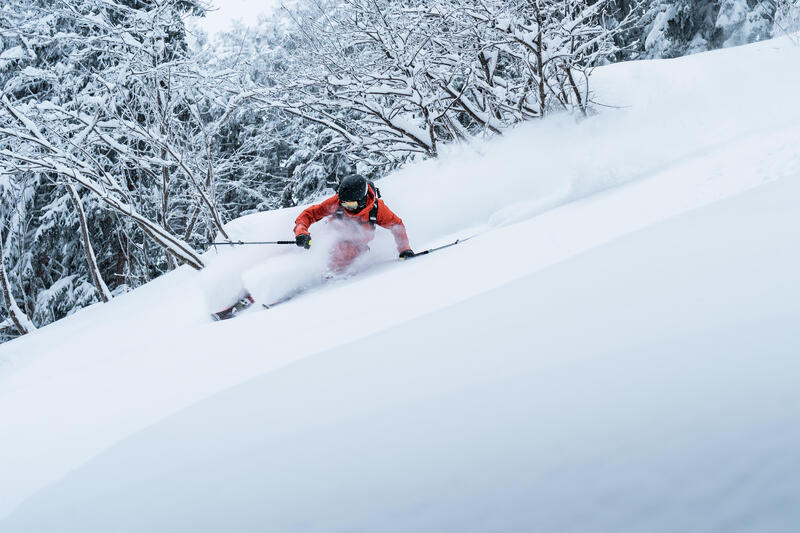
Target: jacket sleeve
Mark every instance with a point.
(315, 213)
(387, 219)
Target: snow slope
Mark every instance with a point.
(616, 348)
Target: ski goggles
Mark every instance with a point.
(349, 206)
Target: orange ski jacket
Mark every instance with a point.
(385, 218)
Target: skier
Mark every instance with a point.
(354, 211)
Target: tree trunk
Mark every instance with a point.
(165, 205)
(18, 317)
(540, 62)
(97, 278)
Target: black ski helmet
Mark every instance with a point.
(354, 188)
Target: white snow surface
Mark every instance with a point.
(615, 350)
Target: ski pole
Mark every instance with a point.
(232, 243)
(424, 252)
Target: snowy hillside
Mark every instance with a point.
(615, 350)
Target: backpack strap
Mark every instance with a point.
(373, 214)
(374, 188)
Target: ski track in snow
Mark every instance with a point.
(689, 137)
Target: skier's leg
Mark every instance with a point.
(342, 256)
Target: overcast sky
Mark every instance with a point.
(226, 11)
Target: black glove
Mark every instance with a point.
(405, 254)
(303, 240)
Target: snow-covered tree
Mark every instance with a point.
(71, 73)
(672, 28)
(787, 16)
(392, 79)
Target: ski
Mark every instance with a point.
(282, 299)
(298, 292)
(229, 312)
(279, 301)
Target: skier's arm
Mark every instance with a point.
(315, 213)
(387, 219)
